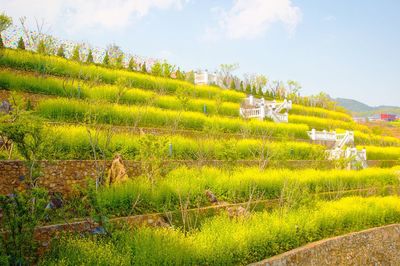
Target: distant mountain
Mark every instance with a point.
(361, 109)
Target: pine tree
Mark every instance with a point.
(254, 90)
(106, 60)
(21, 44)
(89, 59)
(241, 86)
(260, 91)
(179, 74)
(144, 68)
(132, 64)
(1, 42)
(248, 89)
(75, 54)
(60, 51)
(233, 85)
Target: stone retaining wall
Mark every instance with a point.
(376, 246)
(62, 176)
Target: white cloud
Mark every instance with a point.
(78, 14)
(248, 19)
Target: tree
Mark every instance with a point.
(227, 69)
(60, 51)
(144, 67)
(106, 59)
(157, 69)
(27, 134)
(254, 90)
(167, 69)
(260, 81)
(21, 213)
(21, 44)
(248, 88)
(76, 53)
(241, 86)
(132, 65)
(116, 56)
(5, 22)
(190, 76)
(260, 91)
(89, 59)
(233, 85)
(41, 48)
(179, 74)
(293, 86)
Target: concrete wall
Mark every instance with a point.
(376, 246)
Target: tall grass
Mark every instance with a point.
(74, 110)
(111, 93)
(223, 241)
(72, 142)
(382, 153)
(234, 186)
(319, 112)
(53, 65)
(326, 123)
(361, 138)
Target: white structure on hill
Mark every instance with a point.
(205, 78)
(259, 108)
(339, 142)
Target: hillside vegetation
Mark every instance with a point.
(173, 129)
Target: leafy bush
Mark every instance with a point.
(225, 241)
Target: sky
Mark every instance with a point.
(348, 49)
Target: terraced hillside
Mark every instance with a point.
(193, 151)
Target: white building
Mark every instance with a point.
(205, 78)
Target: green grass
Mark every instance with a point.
(225, 241)
(78, 111)
(28, 61)
(234, 186)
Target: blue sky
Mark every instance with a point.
(346, 48)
